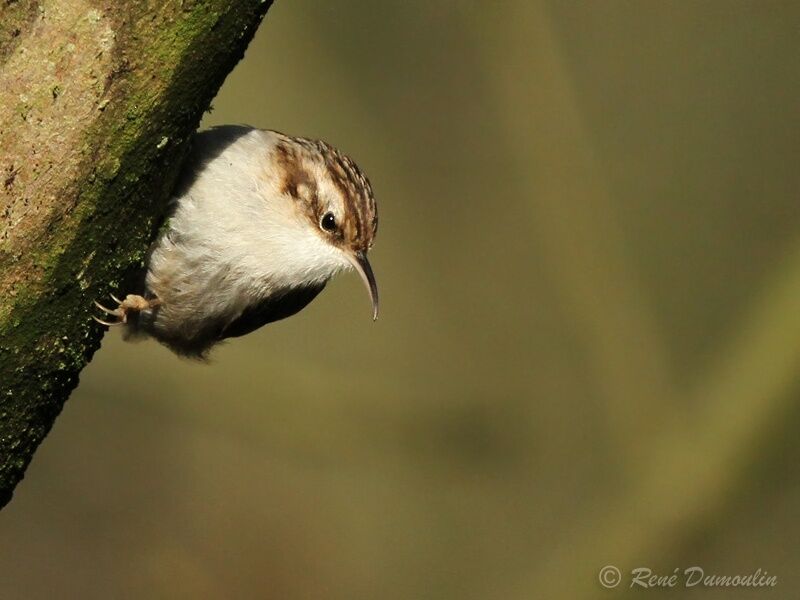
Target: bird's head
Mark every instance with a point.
(331, 207)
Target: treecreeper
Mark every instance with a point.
(259, 223)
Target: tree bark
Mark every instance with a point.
(98, 102)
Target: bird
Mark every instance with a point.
(260, 221)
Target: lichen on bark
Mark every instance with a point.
(98, 102)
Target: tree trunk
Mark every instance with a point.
(98, 102)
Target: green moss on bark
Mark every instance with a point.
(168, 64)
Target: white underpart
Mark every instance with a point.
(234, 238)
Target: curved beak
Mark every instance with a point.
(361, 264)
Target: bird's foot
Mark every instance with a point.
(131, 304)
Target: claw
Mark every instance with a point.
(106, 322)
(108, 311)
(114, 313)
(132, 303)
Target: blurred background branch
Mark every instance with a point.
(574, 223)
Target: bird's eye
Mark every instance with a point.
(328, 222)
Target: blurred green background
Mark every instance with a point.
(588, 350)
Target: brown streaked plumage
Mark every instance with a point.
(297, 157)
(362, 221)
